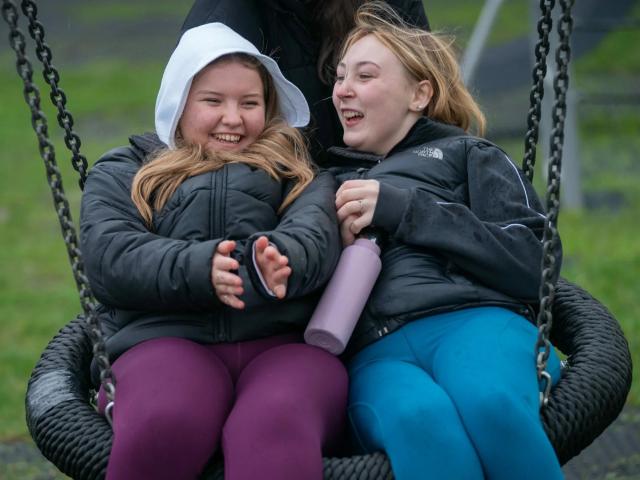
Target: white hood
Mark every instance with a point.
(200, 46)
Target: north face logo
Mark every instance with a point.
(429, 152)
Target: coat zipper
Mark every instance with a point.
(219, 231)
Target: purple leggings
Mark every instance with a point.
(273, 405)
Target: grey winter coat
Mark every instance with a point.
(158, 283)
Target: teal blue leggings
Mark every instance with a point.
(454, 396)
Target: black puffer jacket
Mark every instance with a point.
(464, 228)
(285, 30)
(159, 284)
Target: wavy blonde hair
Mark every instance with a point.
(426, 56)
(280, 150)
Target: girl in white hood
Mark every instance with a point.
(206, 243)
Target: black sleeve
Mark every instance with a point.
(308, 235)
(412, 11)
(242, 16)
(497, 237)
(127, 265)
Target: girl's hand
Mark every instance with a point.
(226, 284)
(273, 266)
(355, 202)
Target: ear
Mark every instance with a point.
(421, 96)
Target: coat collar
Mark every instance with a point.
(423, 131)
(147, 143)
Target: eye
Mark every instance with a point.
(339, 77)
(251, 104)
(211, 100)
(364, 76)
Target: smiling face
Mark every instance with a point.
(374, 97)
(225, 108)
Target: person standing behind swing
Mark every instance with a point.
(443, 375)
(206, 359)
(304, 37)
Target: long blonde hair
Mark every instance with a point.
(426, 56)
(280, 150)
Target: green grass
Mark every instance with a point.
(109, 100)
(600, 244)
(459, 18)
(119, 11)
(617, 54)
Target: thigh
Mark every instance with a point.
(167, 389)
(290, 408)
(388, 395)
(487, 366)
(295, 380)
(396, 407)
(170, 377)
(491, 348)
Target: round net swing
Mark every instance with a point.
(589, 396)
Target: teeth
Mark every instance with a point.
(351, 114)
(227, 137)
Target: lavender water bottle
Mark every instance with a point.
(346, 294)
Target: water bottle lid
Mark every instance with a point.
(369, 244)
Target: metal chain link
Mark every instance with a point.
(58, 97)
(551, 239)
(61, 205)
(545, 24)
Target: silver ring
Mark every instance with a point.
(361, 203)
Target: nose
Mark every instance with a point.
(342, 89)
(231, 116)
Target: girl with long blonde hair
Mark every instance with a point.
(442, 362)
(207, 243)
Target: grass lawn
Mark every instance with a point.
(37, 291)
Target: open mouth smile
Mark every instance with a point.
(351, 117)
(227, 138)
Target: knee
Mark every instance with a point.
(499, 411)
(404, 412)
(156, 428)
(275, 413)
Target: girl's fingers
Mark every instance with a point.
(261, 244)
(225, 247)
(221, 277)
(354, 207)
(360, 222)
(280, 291)
(229, 290)
(351, 184)
(347, 196)
(232, 301)
(280, 276)
(220, 262)
(345, 231)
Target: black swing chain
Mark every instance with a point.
(545, 23)
(58, 97)
(551, 239)
(47, 152)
